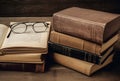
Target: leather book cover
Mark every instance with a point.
(26, 67)
(80, 54)
(91, 25)
(79, 65)
(81, 44)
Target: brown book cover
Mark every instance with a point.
(81, 44)
(29, 67)
(92, 25)
(23, 58)
(79, 65)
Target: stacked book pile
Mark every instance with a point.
(24, 48)
(83, 39)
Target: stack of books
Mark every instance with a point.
(83, 39)
(21, 45)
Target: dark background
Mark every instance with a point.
(48, 7)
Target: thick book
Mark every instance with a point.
(23, 58)
(91, 25)
(81, 44)
(80, 54)
(30, 41)
(79, 65)
(29, 67)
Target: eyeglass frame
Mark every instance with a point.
(15, 24)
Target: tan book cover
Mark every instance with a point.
(81, 44)
(79, 65)
(12, 42)
(91, 25)
(25, 58)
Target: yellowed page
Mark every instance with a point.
(3, 32)
(27, 39)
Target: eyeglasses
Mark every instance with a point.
(19, 28)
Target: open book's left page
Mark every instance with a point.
(3, 32)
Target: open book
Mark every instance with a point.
(27, 42)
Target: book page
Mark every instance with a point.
(27, 39)
(3, 32)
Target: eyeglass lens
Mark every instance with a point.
(39, 27)
(19, 28)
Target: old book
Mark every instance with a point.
(22, 67)
(80, 54)
(13, 42)
(22, 58)
(79, 65)
(91, 25)
(81, 44)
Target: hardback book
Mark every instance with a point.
(81, 44)
(80, 65)
(91, 25)
(23, 58)
(80, 54)
(29, 67)
(34, 40)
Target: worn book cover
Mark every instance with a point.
(81, 44)
(80, 54)
(79, 65)
(91, 25)
(25, 67)
(23, 58)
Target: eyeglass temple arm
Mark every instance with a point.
(9, 33)
(46, 24)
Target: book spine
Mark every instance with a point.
(75, 53)
(84, 29)
(74, 42)
(22, 67)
